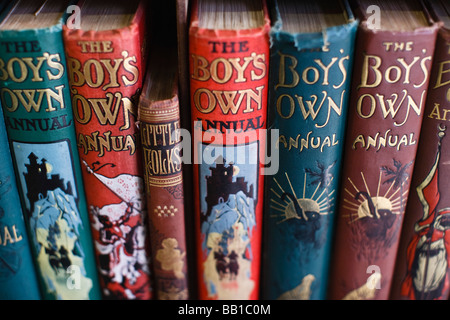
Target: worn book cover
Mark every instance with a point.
(159, 122)
(422, 265)
(105, 65)
(309, 89)
(229, 76)
(36, 102)
(389, 86)
(18, 278)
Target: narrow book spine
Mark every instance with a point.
(309, 90)
(18, 280)
(389, 87)
(422, 271)
(229, 78)
(106, 74)
(161, 146)
(35, 98)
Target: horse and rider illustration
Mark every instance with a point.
(226, 264)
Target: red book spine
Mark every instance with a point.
(158, 123)
(390, 81)
(422, 271)
(229, 79)
(106, 75)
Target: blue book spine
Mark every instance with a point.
(35, 97)
(308, 96)
(18, 280)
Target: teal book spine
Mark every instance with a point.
(18, 280)
(35, 97)
(308, 96)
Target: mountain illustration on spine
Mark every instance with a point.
(227, 226)
(54, 218)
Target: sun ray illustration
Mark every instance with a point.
(318, 198)
(351, 194)
(365, 183)
(271, 189)
(274, 179)
(405, 192)
(389, 189)
(329, 182)
(351, 182)
(325, 201)
(290, 184)
(351, 214)
(351, 202)
(394, 193)
(304, 188)
(379, 184)
(348, 214)
(281, 205)
(282, 190)
(277, 209)
(360, 200)
(297, 208)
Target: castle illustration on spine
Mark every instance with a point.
(228, 215)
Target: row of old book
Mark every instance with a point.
(263, 150)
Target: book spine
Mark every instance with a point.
(18, 278)
(309, 90)
(229, 78)
(105, 71)
(389, 87)
(421, 271)
(161, 147)
(35, 98)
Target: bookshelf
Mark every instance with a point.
(170, 23)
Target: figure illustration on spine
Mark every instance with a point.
(52, 211)
(228, 218)
(121, 234)
(428, 256)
